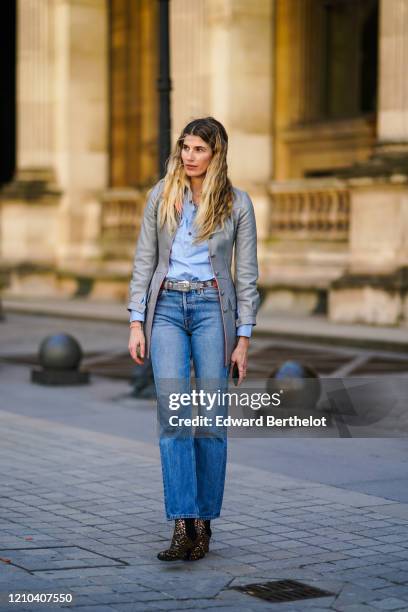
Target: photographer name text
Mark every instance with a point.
(259, 421)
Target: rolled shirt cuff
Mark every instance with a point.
(244, 330)
(136, 316)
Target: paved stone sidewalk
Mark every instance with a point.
(96, 499)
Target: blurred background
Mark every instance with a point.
(313, 94)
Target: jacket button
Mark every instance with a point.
(225, 309)
(222, 292)
(217, 273)
(212, 254)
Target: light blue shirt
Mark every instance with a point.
(188, 261)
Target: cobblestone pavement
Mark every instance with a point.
(81, 513)
(81, 508)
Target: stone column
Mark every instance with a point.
(379, 228)
(62, 158)
(221, 62)
(241, 90)
(30, 201)
(35, 156)
(35, 127)
(81, 133)
(393, 81)
(189, 62)
(240, 34)
(375, 289)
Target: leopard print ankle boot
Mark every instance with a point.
(201, 546)
(181, 543)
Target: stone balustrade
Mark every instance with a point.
(304, 210)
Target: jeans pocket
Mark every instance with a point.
(210, 294)
(162, 294)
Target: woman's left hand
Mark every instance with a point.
(240, 357)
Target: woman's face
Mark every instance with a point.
(196, 155)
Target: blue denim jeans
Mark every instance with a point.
(189, 324)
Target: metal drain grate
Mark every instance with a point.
(282, 590)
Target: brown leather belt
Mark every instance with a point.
(186, 285)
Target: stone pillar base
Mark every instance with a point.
(375, 299)
(29, 217)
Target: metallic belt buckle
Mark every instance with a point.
(186, 285)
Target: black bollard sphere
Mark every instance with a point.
(60, 352)
(59, 356)
(299, 383)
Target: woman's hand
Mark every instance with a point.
(240, 357)
(137, 344)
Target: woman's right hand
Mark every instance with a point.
(137, 344)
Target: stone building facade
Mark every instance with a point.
(313, 94)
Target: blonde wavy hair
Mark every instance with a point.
(217, 195)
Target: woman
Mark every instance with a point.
(182, 289)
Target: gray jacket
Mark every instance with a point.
(151, 264)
